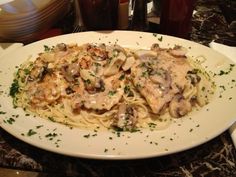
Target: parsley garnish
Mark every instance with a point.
(26, 71)
(122, 77)
(128, 91)
(111, 92)
(14, 88)
(47, 48)
(87, 81)
(87, 136)
(31, 132)
(10, 120)
(160, 38)
(51, 119)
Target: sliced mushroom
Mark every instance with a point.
(179, 107)
(126, 117)
(144, 54)
(70, 72)
(113, 50)
(114, 65)
(61, 47)
(129, 62)
(178, 51)
(38, 71)
(193, 77)
(155, 47)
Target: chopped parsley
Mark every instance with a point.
(1, 112)
(111, 92)
(160, 38)
(154, 34)
(144, 74)
(138, 86)
(51, 119)
(51, 135)
(47, 48)
(14, 89)
(226, 72)
(152, 125)
(87, 136)
(122, 77)
(87, 81)
(26, 71)
(39, 126)
(31, 132)
(128, 91)
(10, 120)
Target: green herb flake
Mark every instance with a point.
(111, 92)
(51, 119)
(39, 126)
(2, 112)
(122, 77)
(160, 38)
(31, 132)
(222, 86)
(10, 120)
(105, 150)
(26, 71)
(152, 125)
(144, 74)
(51, 135)
(227, 71)
(138, 86)
(14, 89)
(87, 81)
(87, 136)
(47, 48)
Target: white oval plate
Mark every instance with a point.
(190, 131)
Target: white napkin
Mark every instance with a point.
(6, 48)
(5, 1)
(230, 52)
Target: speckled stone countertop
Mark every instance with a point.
(216, 158)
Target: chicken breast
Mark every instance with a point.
(158, 77)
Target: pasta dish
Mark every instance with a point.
(99, 85)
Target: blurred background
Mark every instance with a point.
(27, 21)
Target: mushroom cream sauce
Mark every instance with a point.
(99, 85)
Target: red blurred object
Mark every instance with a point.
(50, 33)
(176, 17)
(124, 1)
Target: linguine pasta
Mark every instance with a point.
(91, 86)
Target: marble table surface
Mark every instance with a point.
(216, 158)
